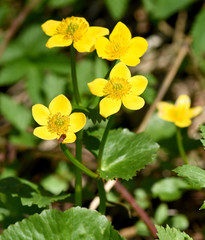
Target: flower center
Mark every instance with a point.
(73, 27)
(58, 123)
(118, 47)
(116, 88)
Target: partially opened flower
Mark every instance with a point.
(121, 46)
(180, 113)
(74, 30)
(57, 121)
(120, 89)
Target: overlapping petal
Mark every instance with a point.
(101, 45)
(96, 87)
(133, 102)
(130, 60)
(50, 26)
(120, 70)
(120, 29)
(109, 106)
(76, 122)
(60, 104)
(40, 114)
(70, 138)
(58, 40)
(43, 133)
(138, 83)
(183, 122)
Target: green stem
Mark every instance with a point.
(102, 195)
(74, 76)
(78, 172)
(76, 162)
(180, 146)
(107, 74)
(104, 138)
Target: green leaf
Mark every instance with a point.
(155, 128)
(76, 223)
(142, 229)
(194, 175)
(142, 198)
(150, 93)
(117, 8)
(180, 222)
(203, 206)
(34, 84)
(161, 213)
(125, 153)
(15, 113)
(12, 53)
(171, 234)
(23, 138)
(53, 85)
(202, 128)
(13, 72)
(169, 189)
(161, 9)
(28, 192)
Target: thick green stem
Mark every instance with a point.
(76, 162)
(103, 141)
(74, 76)
(102, 195)
(78, 172)
(180, 146)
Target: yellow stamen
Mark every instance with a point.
(116, 88)
(58, 123)
(73, 27)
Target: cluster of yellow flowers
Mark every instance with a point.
(121, 88)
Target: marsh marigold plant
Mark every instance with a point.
(74, 30)
(179, 113)
(120, 89)
(57, 120)
(122, 46)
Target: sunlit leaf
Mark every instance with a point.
(76, 223)
(194, 175)
(171, 234)
(125, 153)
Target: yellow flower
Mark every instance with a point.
(121, 88)
(74, 30)
(121, 46)
(57, 120)
(180, 113)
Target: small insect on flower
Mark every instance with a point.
(121, 88)
(121, 46)
(57, 121)
(180, 113)
(74, 30)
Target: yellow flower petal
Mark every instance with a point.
(133, 102)
(183, 100)
(120, 70)
(43, 133)
(70, 138)
(50, 26)
(101, 45)
(130, 60)
(166, 111)
(138, 83)
(120, 29)
(87, 43)
(60, 104)
(183, 123)
(193, 112)
(58, 41)
(40, 114)
(76, 122)
(138, 46)
(96, 87)
(109, 106)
